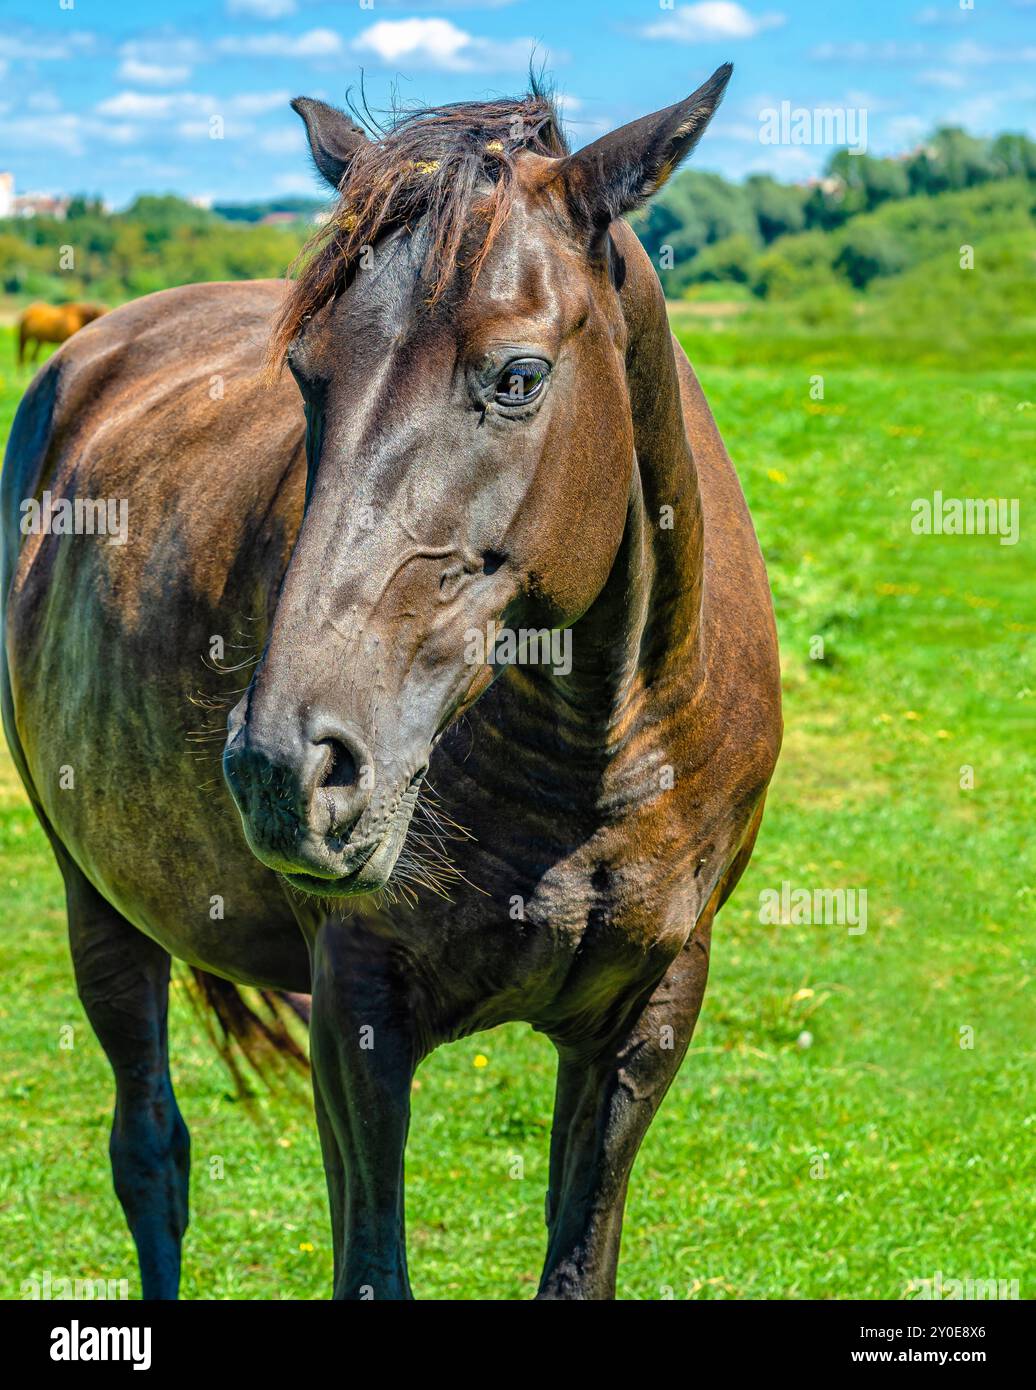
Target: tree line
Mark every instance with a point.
(866, 218)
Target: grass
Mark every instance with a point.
(881, 1152)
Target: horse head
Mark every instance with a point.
(461, 349)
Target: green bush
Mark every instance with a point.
(732, 259)
(794, 265)
(867, 252)
(157, 243)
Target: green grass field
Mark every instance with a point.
(879, 1154)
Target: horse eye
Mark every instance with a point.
(521, 381)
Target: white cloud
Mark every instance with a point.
(153, 74)
(62, 133)
(582, 126)
(66, 131)
(436, 40)
(967, 53)
(289, 140)
(166, 48)
(862, 101)
(905, 130)
(122, 134)
(294, 183)
(970, 54)
(265, 9)
(256, 103)
(35, 49)
(860, 51)
(976, 114)
(710, 19)
(942, 79)
(201, 130)
(791, 161)
(146, 105)
(741, 131)
(940, 15)
(160, 106)
(438, 43)
(458, 4)
(171, 49)
(43, 101)
(152, 168)
(315, 43)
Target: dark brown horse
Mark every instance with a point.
(505, 487)
(53, 323)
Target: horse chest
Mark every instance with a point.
(564, 942)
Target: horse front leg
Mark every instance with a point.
(364, 1059)
(123, 982)
(607, 1096)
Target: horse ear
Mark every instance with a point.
(333, 137)
(623, 169)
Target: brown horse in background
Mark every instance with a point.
(53, 323)
(498, 438)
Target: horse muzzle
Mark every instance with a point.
(313, 806)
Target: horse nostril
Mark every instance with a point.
(340, 769)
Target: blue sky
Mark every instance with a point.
(117, 97)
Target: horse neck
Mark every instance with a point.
(640, 640)
(636, 652)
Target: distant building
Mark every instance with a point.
(41, 205)
(831, 185)
(29, 204)
(278, 219)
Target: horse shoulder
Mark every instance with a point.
(740, 654)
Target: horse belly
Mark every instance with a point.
(141, 809)
(117, 708)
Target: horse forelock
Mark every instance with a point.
(451, 168)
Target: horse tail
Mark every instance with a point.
(256, 1031)
(22, 337)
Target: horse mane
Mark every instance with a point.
(430, 164)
